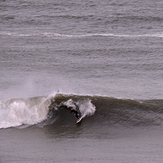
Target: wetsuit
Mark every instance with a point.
(76, 113)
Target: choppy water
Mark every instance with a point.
(107, 56)
(111, 48)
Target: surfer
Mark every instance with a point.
(76, 113)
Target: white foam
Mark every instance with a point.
(86, 108)
(58, 35)
(23, 112)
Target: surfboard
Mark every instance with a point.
(79, 120)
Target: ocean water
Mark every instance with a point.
(103, 57)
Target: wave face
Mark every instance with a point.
(117, 111)
(97, 111)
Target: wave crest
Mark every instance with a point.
(97, 110)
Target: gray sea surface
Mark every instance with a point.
(111, 48)
(106, 48)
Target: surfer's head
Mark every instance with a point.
(70, 107)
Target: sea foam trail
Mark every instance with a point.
(58, 35)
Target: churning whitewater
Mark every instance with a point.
(17, 112)
(31, 111)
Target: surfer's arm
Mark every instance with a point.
(74, 111)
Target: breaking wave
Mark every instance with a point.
(96, 110)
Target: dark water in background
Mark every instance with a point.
(112, 49)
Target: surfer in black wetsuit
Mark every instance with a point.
(76, 113)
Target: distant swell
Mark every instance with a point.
(58, 35)
(97, 111)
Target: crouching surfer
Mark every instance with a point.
(76, 114)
